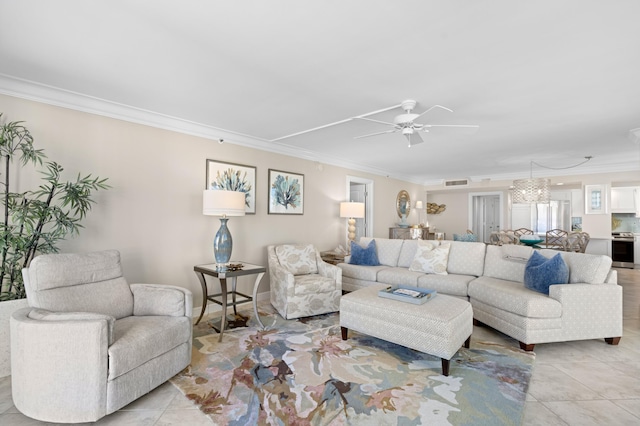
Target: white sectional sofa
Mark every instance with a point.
(492, 279)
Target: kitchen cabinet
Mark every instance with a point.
(625, 199)
(577, 203)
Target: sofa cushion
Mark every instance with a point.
(313, 283)
(388, 250)
(367, 256)
(451, 284)
(399, 276)
(506, 262)
(85, 282)
(139, 339)
(466, 258)
(583, 267)
(430, 258)
(542, 272)
(513, 297)
(298, 259)
(407, 253)
(359, 272)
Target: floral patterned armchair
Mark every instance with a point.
(302, 284)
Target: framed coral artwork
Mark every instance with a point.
(286, 192)
(233, 177)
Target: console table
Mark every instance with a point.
(247, 269)
(398, 233)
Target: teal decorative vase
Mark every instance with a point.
(223, 243)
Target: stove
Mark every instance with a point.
(622, 250)
(622, 236)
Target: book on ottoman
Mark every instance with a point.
(403, 293)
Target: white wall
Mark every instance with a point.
(153, 212)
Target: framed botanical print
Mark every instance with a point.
(233, 177)
(286, 192)
(596, 199)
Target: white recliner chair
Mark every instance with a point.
(90, 343)
(302, 284)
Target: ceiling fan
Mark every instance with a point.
(405, 123)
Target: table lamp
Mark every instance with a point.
(353, 211)
(419, 207)
(223, 203)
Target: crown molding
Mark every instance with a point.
(25, 89)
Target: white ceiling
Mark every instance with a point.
(549, 81)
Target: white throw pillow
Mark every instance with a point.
(431, 258)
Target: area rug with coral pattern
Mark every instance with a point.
(300, 372)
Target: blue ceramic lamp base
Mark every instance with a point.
(222, 245)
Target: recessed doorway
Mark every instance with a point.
(485, 213)
(361, 190)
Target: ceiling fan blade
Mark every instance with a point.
(435, 106)
(375, 134)
(450, 125)
(414, 139)
(375, 121)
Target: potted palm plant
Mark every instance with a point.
(33, 222)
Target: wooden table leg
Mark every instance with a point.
(445, 367)
(205, 296)
(233, 294)
(255, 299)
(223, 320)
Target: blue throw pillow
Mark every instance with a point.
(465, 237)
(541, 272)
(364, 256)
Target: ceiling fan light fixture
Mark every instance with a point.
(405, 123)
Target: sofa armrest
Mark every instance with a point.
(69, 355)
(44, 315)
(590, 306)
(330, 271)
(281, 279)
(161, 300)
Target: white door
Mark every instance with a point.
(358, 193)
(486, 214)
(361, 190)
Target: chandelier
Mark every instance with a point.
(532, 191)
(536, 190)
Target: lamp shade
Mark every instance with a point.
(223, 203)
(352, 209)
(533, 190)
(419, 205)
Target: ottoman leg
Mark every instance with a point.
(467, 343)
(344, 331)
(445, 367)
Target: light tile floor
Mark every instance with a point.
(574, 383)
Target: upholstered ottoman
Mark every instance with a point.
(438, 327)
